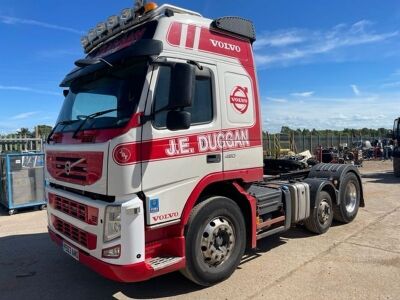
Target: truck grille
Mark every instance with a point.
(79, 168)
(74, 209)
(83, 238)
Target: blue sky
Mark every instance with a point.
(321, 64)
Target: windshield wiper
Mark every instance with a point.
(92, 116)
(65, 123)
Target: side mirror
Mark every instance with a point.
(65, 93)
(183, 80)
(178, 120)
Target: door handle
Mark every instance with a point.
(213, 158)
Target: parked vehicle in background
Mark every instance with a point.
(396, 148)
(156, 162)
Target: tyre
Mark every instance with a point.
(312, 162)
(11, 212)
(215, 241)
(350, 195)
(396, 166)
(321, 216)
(42, 207)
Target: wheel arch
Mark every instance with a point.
(232, 189)
(318, 185)
(335, 173)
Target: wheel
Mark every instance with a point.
(350, 194)
(42, 207)
(215, 241)
(11, 212)
(396, 166)
(322, 215)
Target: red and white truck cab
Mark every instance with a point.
(156, 161)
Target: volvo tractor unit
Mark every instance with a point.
(156, 162)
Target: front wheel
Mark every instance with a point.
(215, 241)
(350, 195)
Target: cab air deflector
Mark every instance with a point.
(236, 25)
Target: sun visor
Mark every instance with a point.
(142, 48)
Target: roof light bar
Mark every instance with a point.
(128, 18)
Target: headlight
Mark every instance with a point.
(112, 224)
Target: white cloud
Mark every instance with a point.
(391, 84)
(333, 113)
(277, 100)
(355, 89)
(278, 39)
(27, 89)
(303, 94)
(14, 21)
(304, 45)
(24, 115)
(396, 73)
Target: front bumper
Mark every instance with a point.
(123, 273)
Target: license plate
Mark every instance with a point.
(71, 250)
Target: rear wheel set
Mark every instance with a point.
(321, 215)
(324, 210)
(350, 195)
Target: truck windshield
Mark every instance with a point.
(117, 92)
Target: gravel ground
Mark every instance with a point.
(360, 260)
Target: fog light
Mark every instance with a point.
(92, 35)
(126, 15)
(101, 28)
(113, 252)
(112, 22)
(85, 41)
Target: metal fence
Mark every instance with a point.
(276, 144)
(15, 143)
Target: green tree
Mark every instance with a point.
(25, 132)
(43, 130)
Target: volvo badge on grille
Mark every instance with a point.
(67, 168)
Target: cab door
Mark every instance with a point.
(174, 162)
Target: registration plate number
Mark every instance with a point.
(71, 250)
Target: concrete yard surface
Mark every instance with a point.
(360, 260)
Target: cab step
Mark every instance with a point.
(158, 263)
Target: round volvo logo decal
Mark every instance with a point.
(239, 99)
(122, 155)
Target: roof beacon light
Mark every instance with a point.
(85, 41)
(101, 28)
(112, 22)
(150, 6)
(126, 15)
